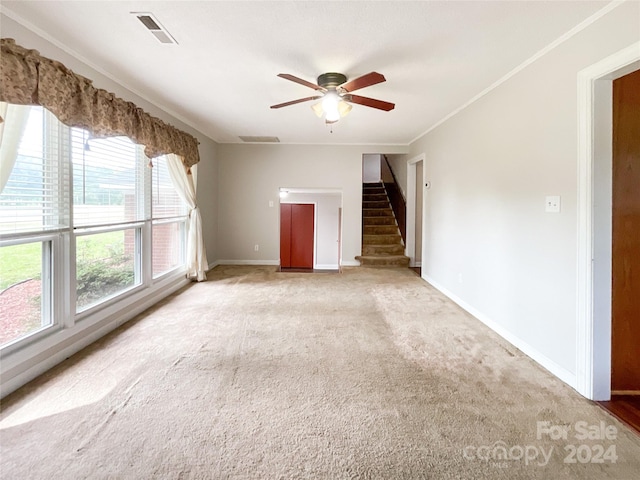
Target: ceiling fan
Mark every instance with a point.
(335, 92)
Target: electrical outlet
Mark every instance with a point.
(256, 247)
(552, 204)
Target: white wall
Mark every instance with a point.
(491, 246)
(21, 365)
(207, 194)
(326, 229)
(250, 177)
(371, 168)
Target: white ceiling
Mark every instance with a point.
(221, 77)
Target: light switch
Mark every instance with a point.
(552, 204)
(271, 203)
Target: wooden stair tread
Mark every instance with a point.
(382, 244)
(383, 260)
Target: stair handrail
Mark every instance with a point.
(393, 175)
(397, 200)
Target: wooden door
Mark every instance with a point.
(285, 235)
(625, 294)
(296, 235)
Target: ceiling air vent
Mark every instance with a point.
(258, 139)
(154, 26)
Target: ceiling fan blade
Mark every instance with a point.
(293, 102)
(363, 81)
(295, 79)
(370, 102)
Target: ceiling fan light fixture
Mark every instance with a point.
(344, 108)
(333, 107)
(330, 103)
(317, 109)
(332, 117)
(340, 110)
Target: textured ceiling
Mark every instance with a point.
(221, 77)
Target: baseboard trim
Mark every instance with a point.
(326, 267)
(268, 262)
(350, 263)
(248, 262)
(559, 371)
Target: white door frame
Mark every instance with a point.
(593, 332)
(313, 191)
(410, 244)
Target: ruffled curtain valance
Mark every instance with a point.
(27, 78)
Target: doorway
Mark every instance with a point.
(625, 267)
(327, 226)
(625, 251)
(415, 215)
(595, 241)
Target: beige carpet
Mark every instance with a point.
(258, 374)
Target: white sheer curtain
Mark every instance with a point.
(11, 129)
(184, 181)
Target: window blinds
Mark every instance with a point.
(107, 176)
(35, 197)
(108, 180)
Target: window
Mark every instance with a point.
(82, 222)
(108, 180)
(35, 196)
(109, 208)
(105, 265)
(34, 211)
(169, 216)
(25, 289)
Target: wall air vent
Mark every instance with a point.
(153, 25)
(258, 139)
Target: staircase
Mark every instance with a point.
(381, 241)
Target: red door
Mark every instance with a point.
(285, 235)
(296, 235)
